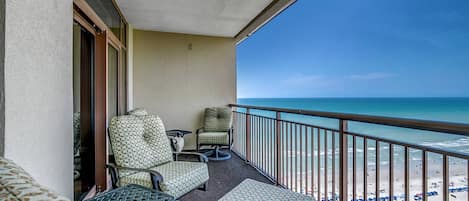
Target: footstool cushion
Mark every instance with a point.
(257, 191)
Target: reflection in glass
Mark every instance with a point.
(83, 134)
(109, 14)
(112, 82)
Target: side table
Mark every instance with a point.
(132, 192)
(177, 138)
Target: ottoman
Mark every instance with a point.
(257, 191)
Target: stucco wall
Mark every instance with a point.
(130, 67)
(38, 90)
(176, 76)
(2, 76)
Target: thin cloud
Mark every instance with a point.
(372, 76)
(309, 81)
(303, 79)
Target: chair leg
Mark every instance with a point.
(203, 187)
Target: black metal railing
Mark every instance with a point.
(324, 162)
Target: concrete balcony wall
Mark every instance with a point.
(38, 90)
(176, 76)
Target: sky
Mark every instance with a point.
(363, 48)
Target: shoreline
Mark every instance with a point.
(457, 179)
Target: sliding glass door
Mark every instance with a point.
(99, 78)
(83, 110)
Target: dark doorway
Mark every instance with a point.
(83, 116)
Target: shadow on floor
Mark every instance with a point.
(224, 176)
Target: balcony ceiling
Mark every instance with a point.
(225, 18)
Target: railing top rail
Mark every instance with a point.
(436, 126)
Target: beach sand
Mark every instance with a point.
(457, 178)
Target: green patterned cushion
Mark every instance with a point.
(139, 142)
(17, 184)
(257, 191)
(76, 133)
(6, 195)
(214, 138)
(138, 112)
(179, 177)
(217, 119)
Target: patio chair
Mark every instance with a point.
(17, 184)
(143, 156)
(217, 132)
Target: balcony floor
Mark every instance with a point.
(224, 176)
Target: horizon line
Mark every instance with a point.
(354, 97)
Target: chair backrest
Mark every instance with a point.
(138, 112)
(139, 141)
(217, 119)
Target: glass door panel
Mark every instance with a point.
(113, 94)
(83, 111)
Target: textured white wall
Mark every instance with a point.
(38, 90)
(2, 77)
(177, 76)
(130, 67)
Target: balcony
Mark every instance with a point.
(175, 59)
(311, 159)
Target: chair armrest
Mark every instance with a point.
(202, 158)
(175, 133)
(156, 177)
(199, 130)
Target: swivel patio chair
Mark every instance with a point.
(217, 132)
(143, 156)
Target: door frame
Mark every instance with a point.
(84, 15)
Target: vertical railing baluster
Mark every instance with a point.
(272, 151)
(291, 156)
(319, 164)
(325, 165)
(391, 170)
(278, 147)
(312, 162)
(287, 154)
(248, 136)
(306, 160)
(406, 173)
(378, 174)
(354, 167)
(263, 145)
(343, 158)
(333, 166)
(365, 168)
(445, 177)
(269, 146)
(424, 176)
(290, 177)
(256, 143)
(259, 153)
(301, 159)
(295, 171)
